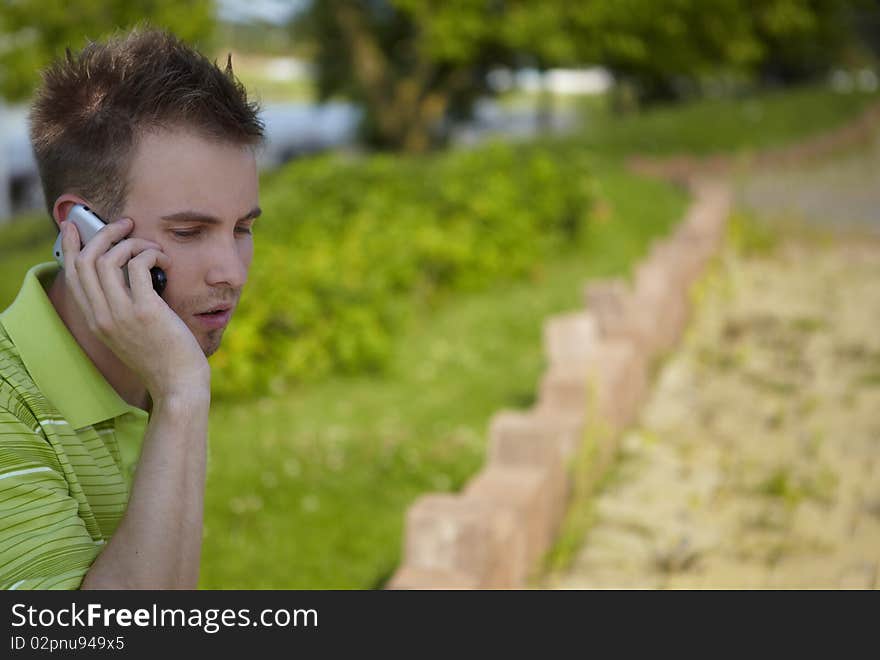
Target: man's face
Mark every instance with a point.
(198, 200)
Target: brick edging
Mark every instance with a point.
(494, 532)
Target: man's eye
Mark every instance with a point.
(196, 232)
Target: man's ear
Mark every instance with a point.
(63, 205)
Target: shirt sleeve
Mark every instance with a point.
(44, 544)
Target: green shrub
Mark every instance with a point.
(347, 246)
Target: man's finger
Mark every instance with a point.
(112, 233)
(120, 253)
(139, 273)
(70, 246)
(87, 274)
(69, 242)
(110, 274)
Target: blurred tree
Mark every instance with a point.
(412, 63)
(662, 49)
(801, 39)
(657, 49)
(33, 32)
(866, 17)
(409, 62)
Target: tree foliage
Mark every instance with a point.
(410, 62)
(801, 38)
(34, 32)
(665, 47)
(413, 62)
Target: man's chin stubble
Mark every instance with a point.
(213, 343)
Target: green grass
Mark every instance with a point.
(715, 125)
(313, 495)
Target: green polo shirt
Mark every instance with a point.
(68, 447)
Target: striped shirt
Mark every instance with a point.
(68, 447)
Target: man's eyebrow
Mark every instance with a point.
(198, 216)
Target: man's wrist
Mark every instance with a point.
(183, 399)
(192, 386)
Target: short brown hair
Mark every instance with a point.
(92, 107)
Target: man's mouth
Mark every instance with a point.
(215, 317)
(217, 309)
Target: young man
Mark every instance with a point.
(97, 375)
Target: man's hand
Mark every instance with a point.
(157, 544)
(137, 325)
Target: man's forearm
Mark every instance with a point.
(158, 542)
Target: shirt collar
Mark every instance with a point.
(60, 369)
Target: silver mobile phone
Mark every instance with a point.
(88, 224)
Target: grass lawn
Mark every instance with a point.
(714, 125)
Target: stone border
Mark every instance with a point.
(494, 532)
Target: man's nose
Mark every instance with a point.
(227, 266)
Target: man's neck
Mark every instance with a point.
(121, 378)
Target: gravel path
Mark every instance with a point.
(843, 189)
(756, 463)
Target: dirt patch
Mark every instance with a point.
(755, 464)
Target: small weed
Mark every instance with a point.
(779, 484)
(771, 385)
(870, 379)
(751, 237)
(793, 488)
(808, 324)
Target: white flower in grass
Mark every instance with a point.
(310, 503)
(245, 504)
